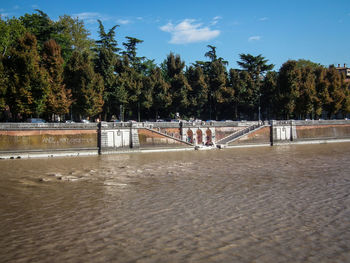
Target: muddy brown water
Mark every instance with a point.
(264, 204)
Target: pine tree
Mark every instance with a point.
(105, 64)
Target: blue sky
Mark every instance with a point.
(277, 29)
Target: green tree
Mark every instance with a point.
(40, 25)
(3, 86)
(72, 35)
(336, 91)
(59, 98)
(131, 52)
(243, 100)
(11, 30)
(105, 64)
(256, 66)
(288, 88)
(269, 103)
(179, 87)
(198, 95)
(27, 80)
(216, 76)
(86, 85)
(307, 99)
(161, 93)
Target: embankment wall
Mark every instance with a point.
(55, 139)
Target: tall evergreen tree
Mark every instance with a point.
(40, 25)
(59, 98)
(179, 87)
(86, 86)
(257, 67)
(11, 30)
(72, 35)
(269, 105)
(105, 64)
(288, 88)
(198, 95)
(307, 98)
(27, 80)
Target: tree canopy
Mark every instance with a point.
(53, 68)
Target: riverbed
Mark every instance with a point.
(264, 204)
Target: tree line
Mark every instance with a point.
(52, 68)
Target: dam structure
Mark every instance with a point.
(28, 140)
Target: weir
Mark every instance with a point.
(18, 140)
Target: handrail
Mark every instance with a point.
(237, 134)
(166, 135)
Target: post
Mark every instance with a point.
(271, 132)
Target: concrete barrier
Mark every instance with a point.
(19, 140)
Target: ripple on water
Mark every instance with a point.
(289, 204)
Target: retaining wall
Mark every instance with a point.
(50, 139)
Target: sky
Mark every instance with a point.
(279, 30)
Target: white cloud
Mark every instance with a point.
(91, 17)
(216, 20)
(188, 32)
(263, 19)
(123, 21)
(254, 38)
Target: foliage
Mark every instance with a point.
(27, 88)
(58, 97)
(86, 85)
(52, 68)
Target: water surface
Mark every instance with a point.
(265, 204)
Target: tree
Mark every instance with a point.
(27, 80)
(3, 86)
(218, 90)
(11, 30)
(86, 85)
(72, 35)
(269, 103)
(105, 64)
(40, 25)
(59, 98)
(307, 99)
(198, 95)
(243, 100)
(131, 52)
(257, 67)
(161, 95)
(336, 90)
(179, 87)
(288, 88)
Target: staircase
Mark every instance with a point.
(236, 135)
(166, 135)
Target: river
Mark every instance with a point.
(263, 204)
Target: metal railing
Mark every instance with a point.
(238, 134)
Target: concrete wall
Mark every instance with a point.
(152, 139)
(303, 131)
(261, 136)
(47, 137)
